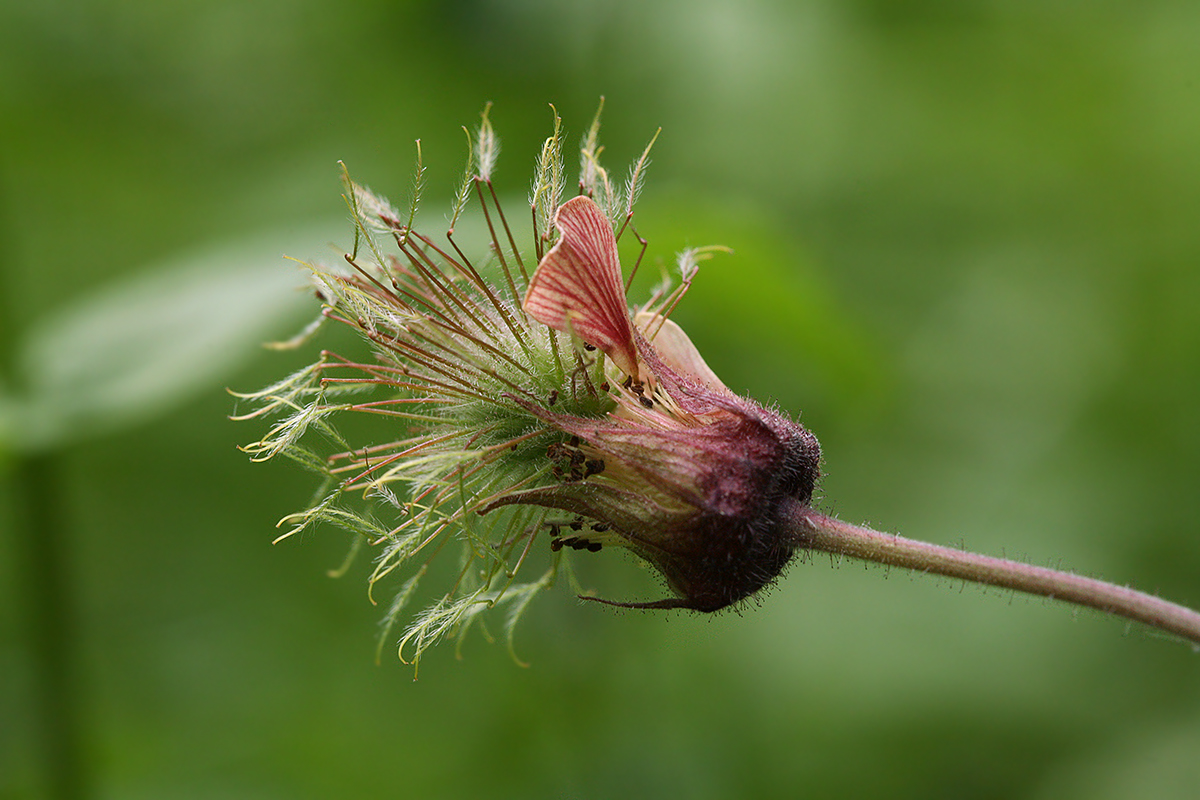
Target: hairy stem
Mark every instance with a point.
(815, 531)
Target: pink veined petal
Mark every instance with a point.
(676, 349)
(578, 285)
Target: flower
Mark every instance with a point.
(688, 475)
(516, 404)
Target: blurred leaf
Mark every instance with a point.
(9, 413)
(138, 347)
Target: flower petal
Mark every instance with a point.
(578, 285)
(676, 349)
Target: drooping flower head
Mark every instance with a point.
(522, 409)
(692, 474)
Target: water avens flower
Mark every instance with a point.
(522, 410)
(688, 475)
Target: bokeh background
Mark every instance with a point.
(966, 247)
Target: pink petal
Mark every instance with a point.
(676, 349)
(578, 285)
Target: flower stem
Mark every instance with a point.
(815, 531)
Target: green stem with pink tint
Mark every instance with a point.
(814, 531)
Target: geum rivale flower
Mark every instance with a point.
(532, 407)
(688, 475)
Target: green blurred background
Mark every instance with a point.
(966, 245)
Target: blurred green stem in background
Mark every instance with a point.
(40, 547)
(815, 531)
(41, 536)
